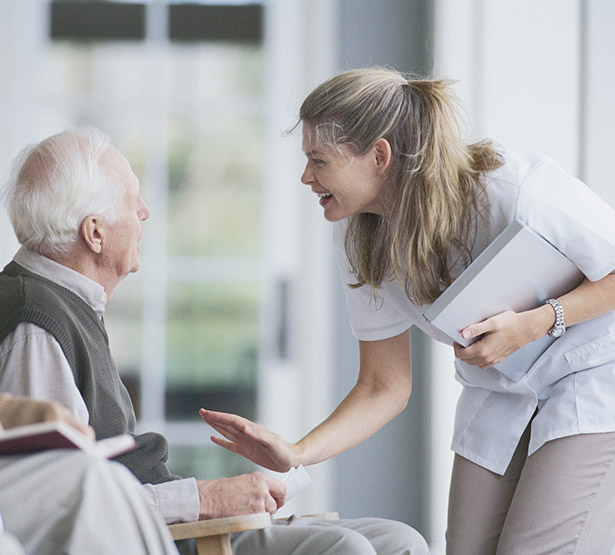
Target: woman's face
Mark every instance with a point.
(345, 184)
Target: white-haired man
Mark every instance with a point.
(75, 207)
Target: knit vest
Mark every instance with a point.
(28, 297)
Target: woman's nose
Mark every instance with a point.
(307, 176)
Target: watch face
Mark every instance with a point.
(557, 332)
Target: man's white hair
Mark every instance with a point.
(55, 184)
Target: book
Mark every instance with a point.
(519, 270)
(59, 435)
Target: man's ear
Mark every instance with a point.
(92, 231)
(382, 154)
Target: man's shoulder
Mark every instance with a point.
(18, 285)
(28, 298)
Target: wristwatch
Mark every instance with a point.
(559, 328)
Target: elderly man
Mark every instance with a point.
(51, 501)
(75, 208)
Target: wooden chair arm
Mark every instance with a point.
(213, 536)
(215, 526)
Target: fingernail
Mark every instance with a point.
(466, 334)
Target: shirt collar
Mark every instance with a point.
(90, 291)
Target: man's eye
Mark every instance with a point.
(318, 162)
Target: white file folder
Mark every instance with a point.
(518, 271)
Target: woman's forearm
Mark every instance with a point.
(589, 300)
(361, 414)
(381, 393)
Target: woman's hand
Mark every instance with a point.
(251, 441)
(499, 337)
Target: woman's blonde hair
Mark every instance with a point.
(432, 197)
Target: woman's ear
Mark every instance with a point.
(382, 154)
(92, 231)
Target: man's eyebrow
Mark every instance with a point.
(313, 154)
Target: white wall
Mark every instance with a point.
(598, 90)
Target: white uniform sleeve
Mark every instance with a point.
(371, 318)
(570, 216)
(33, 364)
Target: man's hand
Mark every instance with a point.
(240, 495)
(19, 411)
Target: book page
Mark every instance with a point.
(59, 435)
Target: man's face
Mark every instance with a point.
(121, 244)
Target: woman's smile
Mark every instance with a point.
(324, 198)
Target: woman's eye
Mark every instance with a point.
(318, 162)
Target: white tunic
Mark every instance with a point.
(573, 383)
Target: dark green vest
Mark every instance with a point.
(27, 297)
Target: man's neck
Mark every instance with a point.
(88, 267)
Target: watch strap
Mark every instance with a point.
(559, 327)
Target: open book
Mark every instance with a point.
(59, 435)
(518, 271)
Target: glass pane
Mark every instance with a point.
(105, 72)
(212, 341)
(213, 73)
(214, 184)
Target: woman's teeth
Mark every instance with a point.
(324, 195)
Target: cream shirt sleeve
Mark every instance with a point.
(23, 372)
(53, 380)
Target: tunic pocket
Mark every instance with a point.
(595, 353)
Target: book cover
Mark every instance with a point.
(59, 435)
(517, 271)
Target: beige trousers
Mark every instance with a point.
(71, 503)
(314, 536)
(560, 500)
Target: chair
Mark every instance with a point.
(213, 537)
